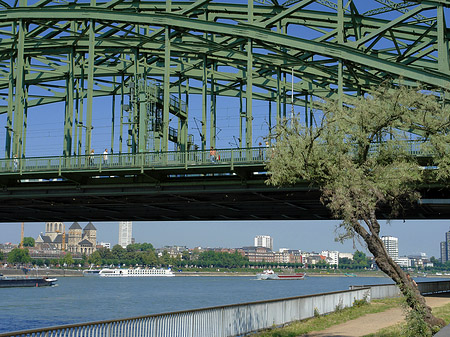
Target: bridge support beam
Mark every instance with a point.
(165, 142)
(90, 86)
(443, 53)
(204, 101)
(68, 121)
(249, 90)
(212, 111)
(19, 92)
(9, 117)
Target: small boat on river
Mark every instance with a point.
(24, 281)
(271, 275)
(90, 272)
(136, 272)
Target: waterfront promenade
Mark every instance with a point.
(372, 323)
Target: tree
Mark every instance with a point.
(28, 241)
(359, 158)
(118, 251)
(95, 258)
(2, 256)
(18, 255)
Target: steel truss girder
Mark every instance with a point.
(217, 44)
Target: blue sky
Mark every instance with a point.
(414, 235)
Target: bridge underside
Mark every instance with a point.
(201, 198)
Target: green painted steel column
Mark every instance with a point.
(212, 110)
(80, 111)
(19, 96)
(278, 97)
(68, 122)
(122, 97)
(134, 111)
(204, 102)
(90, 85)
(241, 114)
(9, 117)
(443, 53)
(340, 37)
(179, 141)
(165, 143)
(184, 126)
(249, 87)
(249, 122)
(142, 118)
(165, 119)
(25, 116)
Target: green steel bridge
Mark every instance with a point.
(176, 185)
(158, 83)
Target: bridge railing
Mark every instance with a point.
(142, 161)
(155, 160)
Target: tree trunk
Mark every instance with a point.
(406, 285)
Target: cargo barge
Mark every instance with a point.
(23, 281)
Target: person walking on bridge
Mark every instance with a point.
(212, 154)
(105, 157)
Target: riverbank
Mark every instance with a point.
(41, 272)
(308, 274)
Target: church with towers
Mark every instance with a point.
(77, 240)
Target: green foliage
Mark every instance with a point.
(140, 247)
(39, 262)
(415, 325)
(316, 312)
(221, 259)
(28, 241)
(359, 155)
(2, 256)
(66, 260)
(18, 255)
(360, 303)
(360, 261)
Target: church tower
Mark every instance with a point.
(75, 235)
(53, 229)
(90, 233)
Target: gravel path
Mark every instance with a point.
(371, 323)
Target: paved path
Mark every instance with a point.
(371, 323)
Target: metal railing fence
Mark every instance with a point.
(140, 161)
(391, 290)
(155, 160)
(223, 321)
(229, 320)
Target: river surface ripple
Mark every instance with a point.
(87, 299)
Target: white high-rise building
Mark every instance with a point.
(125, 233)
(264, 241)
(391, 245)
(332, 256)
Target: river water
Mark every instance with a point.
(87, 299)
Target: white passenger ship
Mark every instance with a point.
(135, 272)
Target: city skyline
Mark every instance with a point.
(414, 235)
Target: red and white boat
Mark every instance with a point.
(271, 275)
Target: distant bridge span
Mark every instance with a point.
(168, 186)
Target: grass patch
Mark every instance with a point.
(324, 322)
